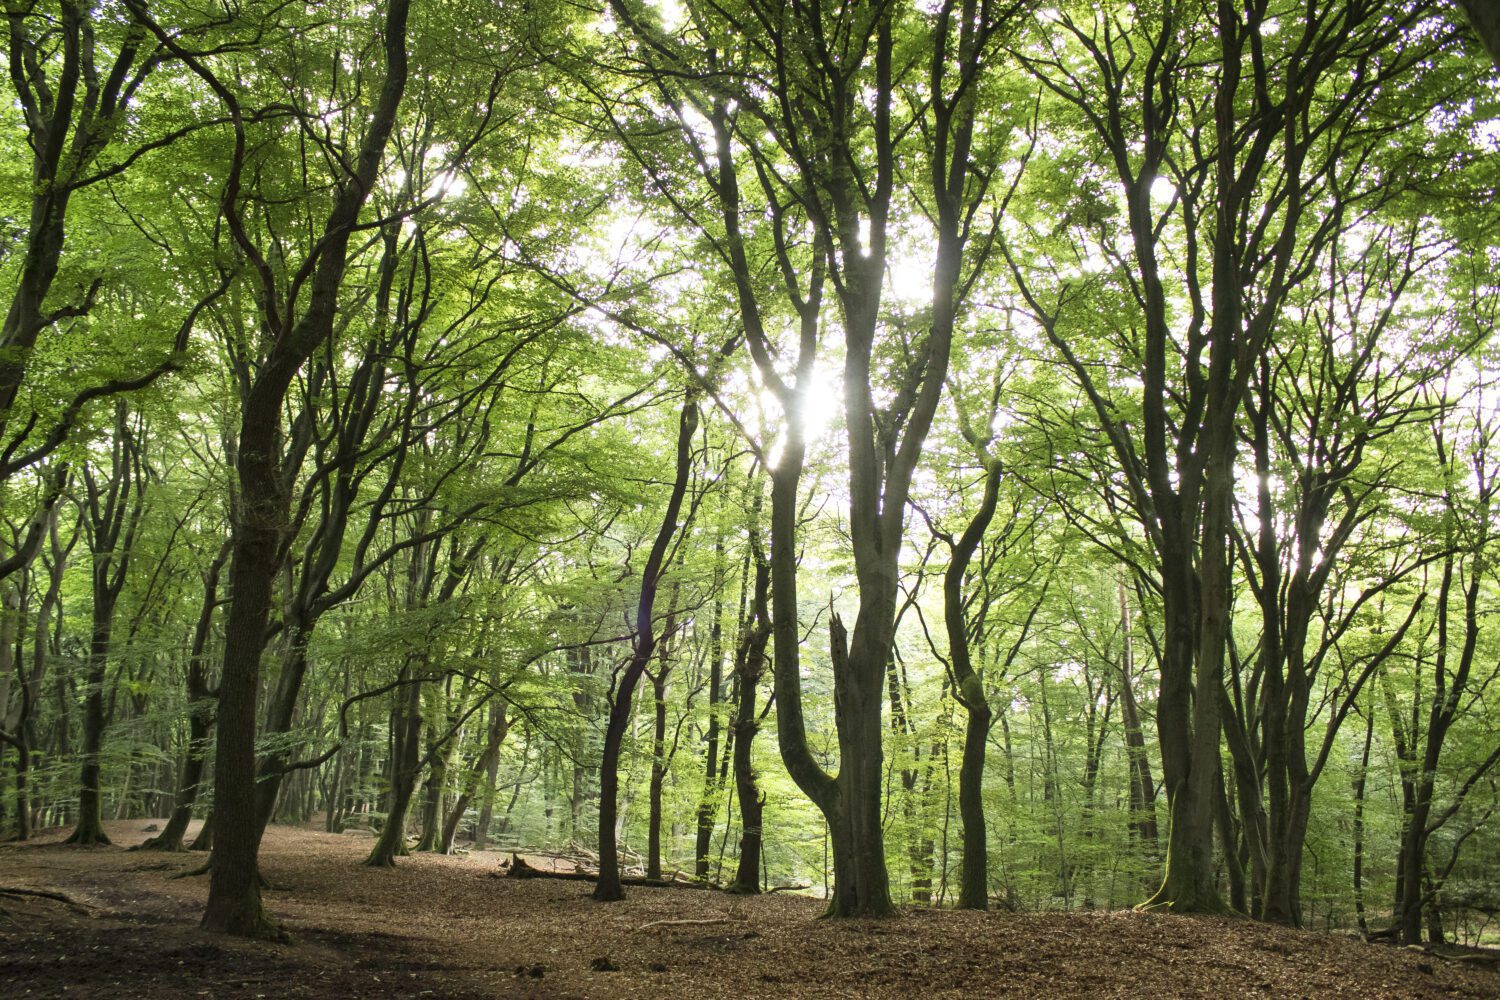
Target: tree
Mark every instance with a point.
(1463, 442)
(1250, 171)
(822, 158)
(295, 326)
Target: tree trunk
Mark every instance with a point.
(488, 761)
(406, 725)
(608, 888)
(861, 883)
(234, 905)
(749, 668)
(205, 839)
(487, 808)
(974, 874)
(711, 770)
(1142, 788)
(200, 718)
(1195, 610)
(262, 510)
(432, 801)
(90, 829)
(1359, 825)
(23, 793)
(658, 764)
(112, 512)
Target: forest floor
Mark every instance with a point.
(445, 927)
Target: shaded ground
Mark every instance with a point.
(443, 927)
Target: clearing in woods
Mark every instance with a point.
(446, 927)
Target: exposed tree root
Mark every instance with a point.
(58, 897)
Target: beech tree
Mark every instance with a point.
(1253, 177)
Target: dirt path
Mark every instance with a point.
(443, 927)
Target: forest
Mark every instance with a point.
(948, 454)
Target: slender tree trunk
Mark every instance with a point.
(1142, 788)
(23, 793)
(112, 512)
(488, 760)
(200, 718)
(658, 765)
(200, 731)
(1359, 825)
(24, 721)
(432, 799)
(487, 805)
(1228, 844)
(707, 804)
(204, 841)
(974, 874)
(749, 668)
(643, 647)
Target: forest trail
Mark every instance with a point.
(443, 927)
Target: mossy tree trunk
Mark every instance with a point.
(406, 729)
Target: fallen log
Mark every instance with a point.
(518, 868)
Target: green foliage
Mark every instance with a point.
(478, 459)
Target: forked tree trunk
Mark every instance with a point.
(608, 887)
(299, 327)
(405, 767)
(861, 882)
(112, 512)
(486, 765)
(973, 886)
